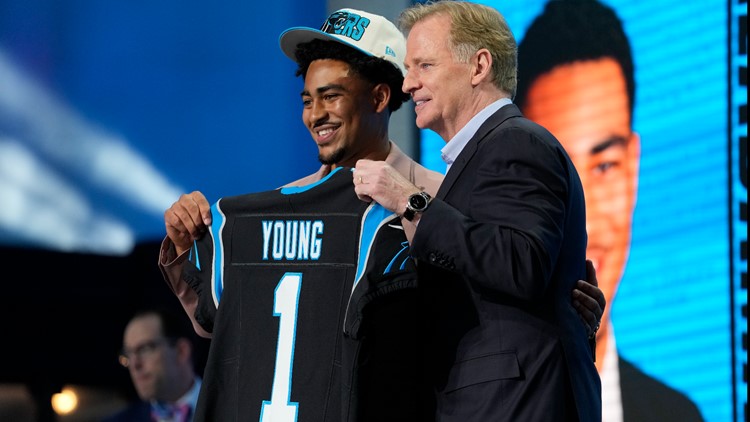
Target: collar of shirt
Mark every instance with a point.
(610, 376)
(191, 397)
(450, 151)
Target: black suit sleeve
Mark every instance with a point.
(510, 240)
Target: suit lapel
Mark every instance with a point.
(500, 116)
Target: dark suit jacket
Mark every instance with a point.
(646, 399)
(499, 251)
(135, 412)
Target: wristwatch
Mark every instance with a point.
(417, 202)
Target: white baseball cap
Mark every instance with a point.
(371, 34)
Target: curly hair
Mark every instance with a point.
(371, 69)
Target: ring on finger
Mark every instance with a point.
(596, 329)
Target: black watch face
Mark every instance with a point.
(417, 202)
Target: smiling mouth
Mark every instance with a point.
(324, 131)
(418, 104)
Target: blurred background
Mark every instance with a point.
(110, 110)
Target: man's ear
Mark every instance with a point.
(482, 66)
(381, 95)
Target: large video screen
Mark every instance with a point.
(666, 199)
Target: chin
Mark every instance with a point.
(425, 123)
(332, 158)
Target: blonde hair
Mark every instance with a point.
(473, 27)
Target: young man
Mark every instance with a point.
(502, 243)
(352, 80)
(157, 350)
(348, 99)
(576, 78)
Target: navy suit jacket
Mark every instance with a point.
(500, 250)
(646, 399)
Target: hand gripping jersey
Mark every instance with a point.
(309, 295)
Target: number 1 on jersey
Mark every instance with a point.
(286, 302)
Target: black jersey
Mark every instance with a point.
(305, 291)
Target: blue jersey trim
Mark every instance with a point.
(217, 226)
(403, 251)
(374, 218)
(291, 190)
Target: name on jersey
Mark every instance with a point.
(299, 240)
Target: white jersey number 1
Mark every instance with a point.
(286, 302)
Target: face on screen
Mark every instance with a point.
(585, 105)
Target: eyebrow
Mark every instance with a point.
(609, 143)
(323, 89)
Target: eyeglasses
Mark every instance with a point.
(144, 351)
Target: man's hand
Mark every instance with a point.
(589, 301)
(378, 181)
(187, 219)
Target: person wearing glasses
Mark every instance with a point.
(158, 352)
